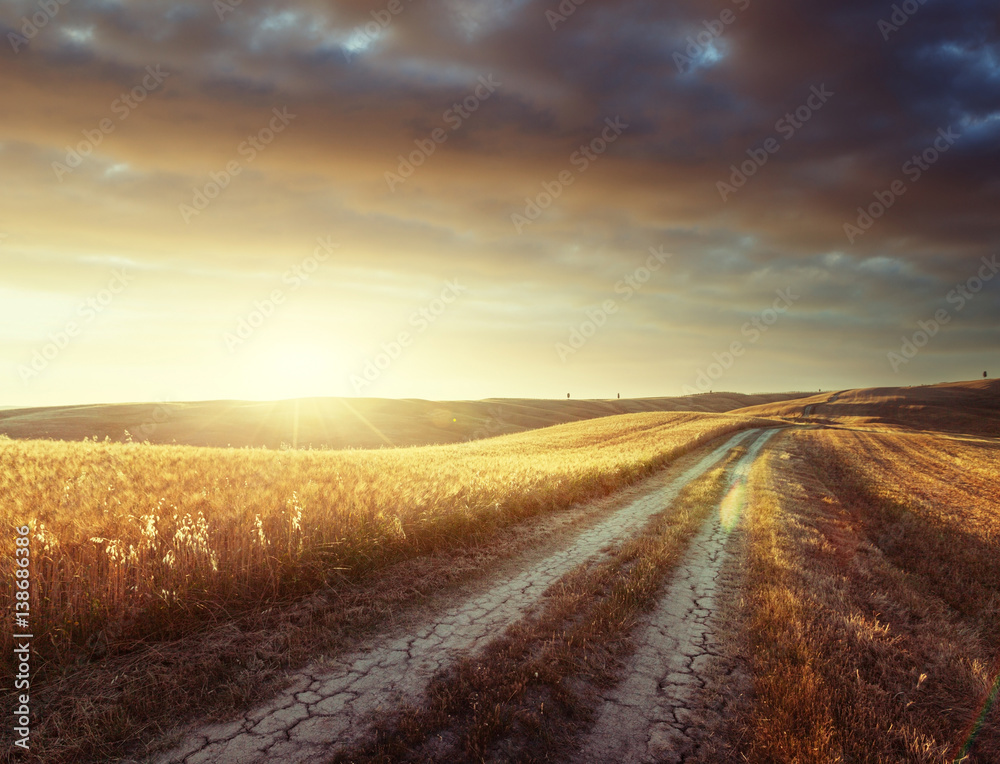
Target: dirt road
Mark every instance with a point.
(326, 709)
(660, 711)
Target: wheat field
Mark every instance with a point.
(133, 543)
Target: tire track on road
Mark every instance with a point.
(659, 712)
(327, 709)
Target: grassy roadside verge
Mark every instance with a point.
(864, 616)
(790, 719)
(534, 690)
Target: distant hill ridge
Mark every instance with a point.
(959, 407)
(339, 422)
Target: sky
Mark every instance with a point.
(462, 199)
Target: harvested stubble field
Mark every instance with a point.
(137, 550)
(872, 599)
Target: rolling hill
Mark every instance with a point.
(338, 422)
(958, 407)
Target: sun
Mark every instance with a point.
(294, 369)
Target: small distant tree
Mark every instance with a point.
(567, 396)
(984, 375)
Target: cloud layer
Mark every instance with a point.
(537, 153)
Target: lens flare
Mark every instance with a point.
(977, 723)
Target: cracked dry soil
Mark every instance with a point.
(666, 707)
(327, 708)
